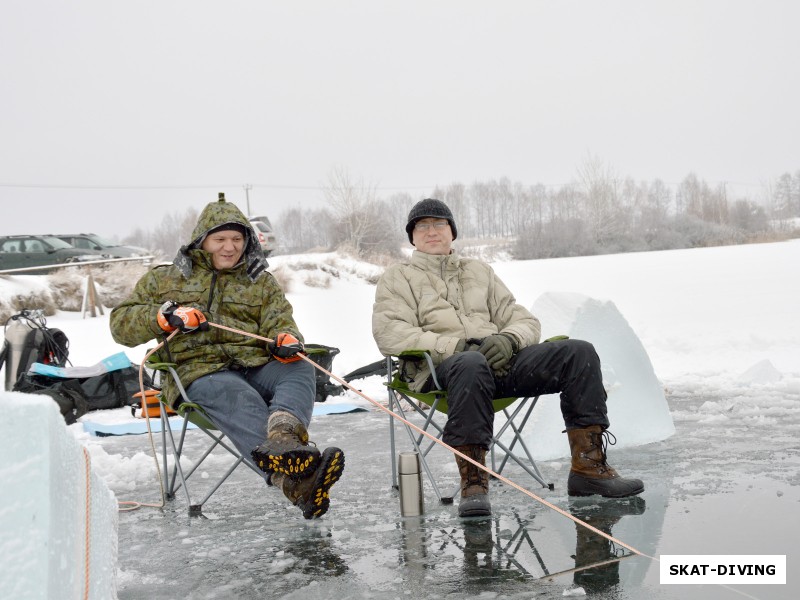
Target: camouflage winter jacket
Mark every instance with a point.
(246, 297)
(434, 300)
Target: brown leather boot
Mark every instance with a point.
(590, 473)
(286, 449)
(311, 493)
(474, 483)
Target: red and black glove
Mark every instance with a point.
(285, 348)
(172, 316)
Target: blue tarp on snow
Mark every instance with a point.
(139, 426)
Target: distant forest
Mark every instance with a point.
(598, 213)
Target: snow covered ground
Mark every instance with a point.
(721, 328)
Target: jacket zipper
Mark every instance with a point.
(211, 290)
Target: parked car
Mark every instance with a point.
(22, 251)
(90, 241)
(265, 233)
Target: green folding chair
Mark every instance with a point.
(177, 477)
(514, 414)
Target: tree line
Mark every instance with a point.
(598, 213)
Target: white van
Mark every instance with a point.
(264, 233)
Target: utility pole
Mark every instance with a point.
(247, 188)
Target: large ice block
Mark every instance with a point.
(57, 517)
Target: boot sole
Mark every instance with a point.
(596, 487)
(627, 494)
(475, 513)
(329, 472)
(479, 508)
(296, 464)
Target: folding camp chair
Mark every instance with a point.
(430, 405)
(177, 477)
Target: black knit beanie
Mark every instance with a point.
(230, 227)
(430, 207)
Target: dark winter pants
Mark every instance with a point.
(240, 402)
(568, 367)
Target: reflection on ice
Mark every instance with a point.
(596, 557)
(505, 548)
(257, 547)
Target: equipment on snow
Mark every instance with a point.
(323, 356)
(410, 484)
(29, 340)
(76, 396)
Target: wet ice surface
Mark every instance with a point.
(728, 482)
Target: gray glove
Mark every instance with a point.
(498, 349)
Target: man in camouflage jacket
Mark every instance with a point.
(251, 390)
(484, 346)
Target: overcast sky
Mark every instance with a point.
(115, 113)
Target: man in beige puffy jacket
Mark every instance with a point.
(484, 345)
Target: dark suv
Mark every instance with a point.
(23, 251)
(90, 241)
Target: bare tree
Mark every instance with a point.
(783, 200)
(174, 230)
(795, 193)
(748, 216)
(360, 222)
(395, 210)
(691, 195)
(598, 183)
(302, 230)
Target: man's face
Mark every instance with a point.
(432, 236)
(225, 247)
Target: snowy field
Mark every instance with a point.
(722, 330)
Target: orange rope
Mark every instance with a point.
(134, 505)
(87, 524)
(450, 448)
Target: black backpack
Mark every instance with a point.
(35, 343)
(67, 393)
(77, 396)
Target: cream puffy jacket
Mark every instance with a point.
(433, 301)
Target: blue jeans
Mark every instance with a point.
(240, 402)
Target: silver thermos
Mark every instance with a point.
(411, 504)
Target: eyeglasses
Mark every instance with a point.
(438, 226)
